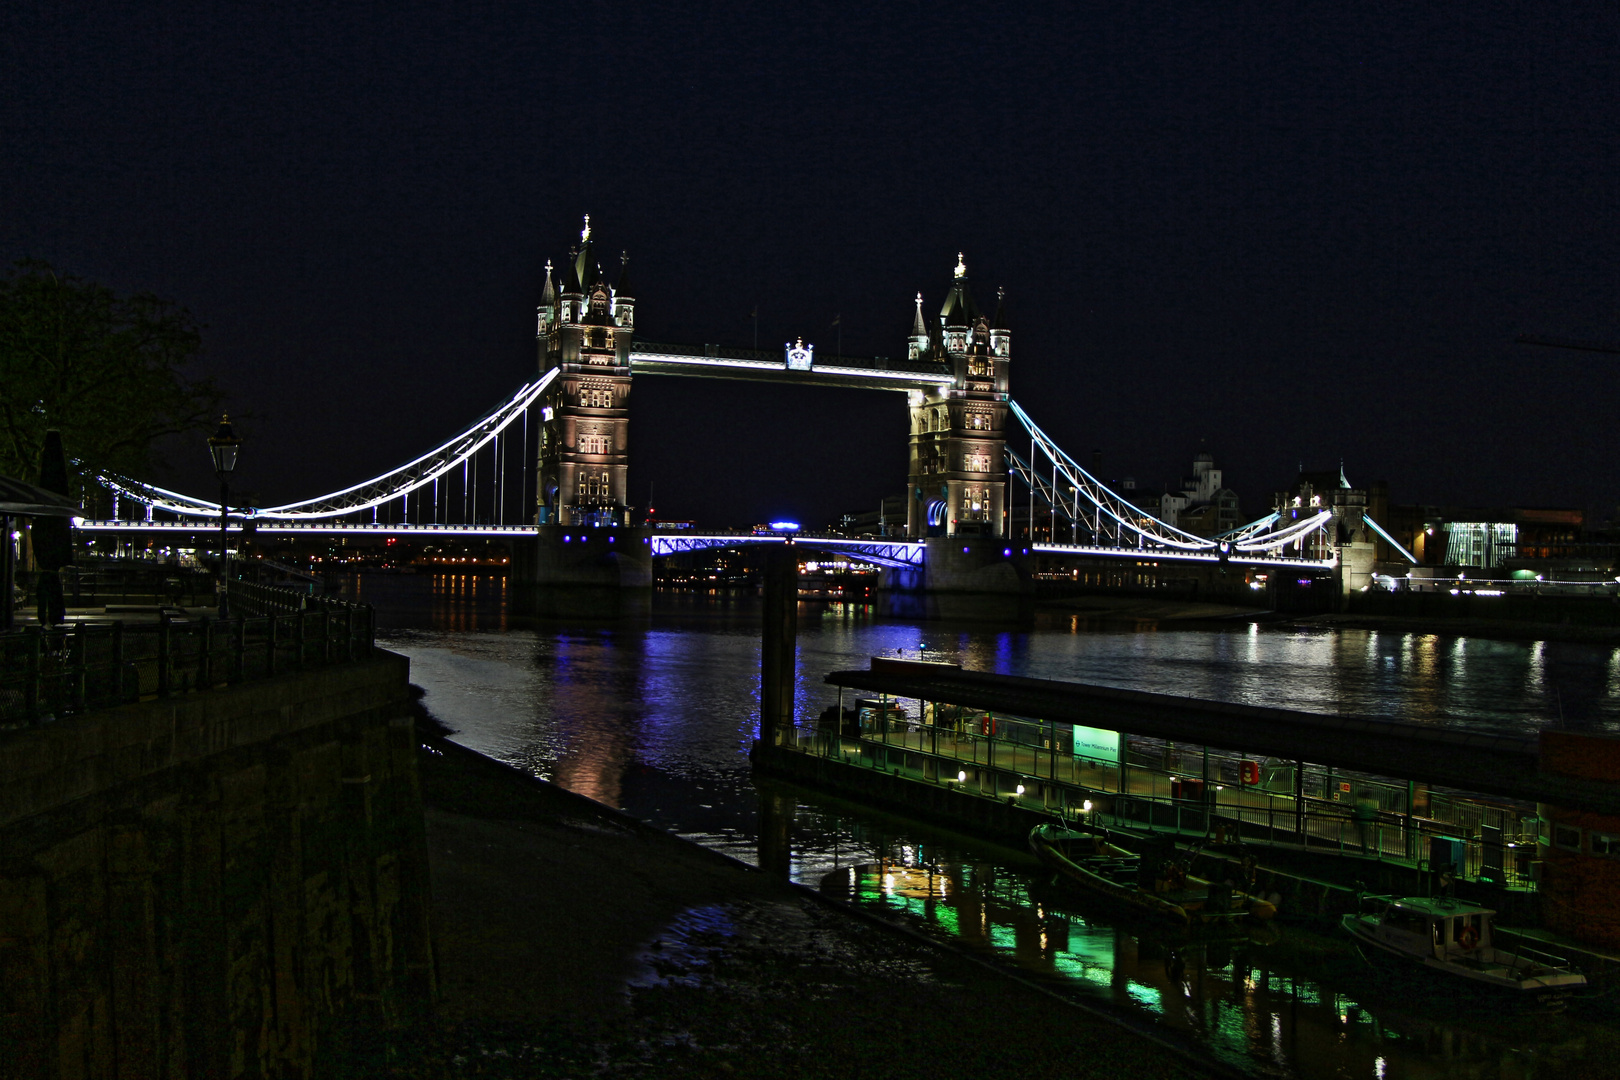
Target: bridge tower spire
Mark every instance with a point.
(958, 484)
(585, 413)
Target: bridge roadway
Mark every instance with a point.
(880, 550)
(1504, 765)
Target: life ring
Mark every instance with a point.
(1469, 938)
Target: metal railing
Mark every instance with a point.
(1022, 762)
(46, 674)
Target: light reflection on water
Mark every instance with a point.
(656, 716)
(1274, 1002)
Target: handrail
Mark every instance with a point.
(49, 673)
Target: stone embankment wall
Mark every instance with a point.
(210, 885)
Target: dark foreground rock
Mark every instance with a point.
(574, 942)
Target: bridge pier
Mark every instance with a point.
(963, 578)
(779, 640)
(575, 571)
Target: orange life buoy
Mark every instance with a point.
(1251, 772)
(1468, 938)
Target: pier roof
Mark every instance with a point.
(1506, 765)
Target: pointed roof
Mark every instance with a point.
(919, 328)
(548, 295)
(581, 276)
(1000, 321)
(572, 286)
(959, 309)
(623, 287)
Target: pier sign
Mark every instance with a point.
(1098, 744)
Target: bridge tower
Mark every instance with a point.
(958, 481)
(585, 332)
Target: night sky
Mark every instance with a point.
(1285, 233)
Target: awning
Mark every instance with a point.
(17, 497)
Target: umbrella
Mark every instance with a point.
(18, 498)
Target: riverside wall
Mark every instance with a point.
(215, 884)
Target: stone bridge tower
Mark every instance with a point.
(958, 473)
(584, 332)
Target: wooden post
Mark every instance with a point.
(118, 662)
(163, 655)
(778, 647)
(205, 658)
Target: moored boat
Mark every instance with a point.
(1156, 884)
(1457, 939)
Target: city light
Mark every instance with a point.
(785, 526)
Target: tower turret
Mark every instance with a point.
(547, 312)
(958, 483)
(920, 344)
(624, 303)
(584, 434)
(1000, 336)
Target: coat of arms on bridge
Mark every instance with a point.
(799, 356)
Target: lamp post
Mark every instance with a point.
(223, 445)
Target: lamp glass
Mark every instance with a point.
(223, 446)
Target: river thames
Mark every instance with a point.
(655, 716)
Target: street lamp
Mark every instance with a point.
(223, 445)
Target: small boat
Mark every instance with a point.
(1456, 938)
(1155, 883)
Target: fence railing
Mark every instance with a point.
(46, 674)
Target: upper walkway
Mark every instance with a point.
(776, 365)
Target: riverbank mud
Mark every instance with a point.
(574, 941)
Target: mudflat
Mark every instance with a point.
(573, 941)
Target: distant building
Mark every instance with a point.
(1202, 505)
(1484, 539)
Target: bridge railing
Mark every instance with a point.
(48, 673)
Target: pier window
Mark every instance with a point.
(595, 444)
(977, 462)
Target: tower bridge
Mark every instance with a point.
(548, 468)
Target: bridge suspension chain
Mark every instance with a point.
(370, 494)
(1115, 522)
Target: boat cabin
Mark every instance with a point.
(1435, 926)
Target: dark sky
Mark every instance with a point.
(1285, 232)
